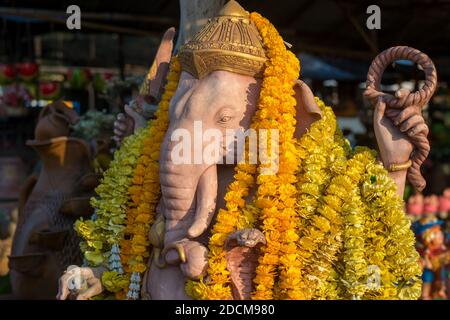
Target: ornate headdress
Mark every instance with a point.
(229, 41)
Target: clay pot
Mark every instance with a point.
(54, 121)
(45, 242)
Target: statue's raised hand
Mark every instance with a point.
(80, 283)
(127, 123)
(400, 129)
(394, 129)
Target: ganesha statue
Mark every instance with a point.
(200, 218)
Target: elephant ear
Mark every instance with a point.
(307, 109)
(156, 76)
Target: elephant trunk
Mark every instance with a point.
(189, 193)
(189, 200)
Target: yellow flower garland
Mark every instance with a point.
(354, 251)
(318, 153)
(313, 148)
(100, 234)
(390, 242)
(333, 240)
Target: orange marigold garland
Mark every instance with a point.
(145, 190)
(276, 110)
(228, 220)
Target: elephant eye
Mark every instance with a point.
(225, 119)
(224, 115)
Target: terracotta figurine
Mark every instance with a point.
(45, 242)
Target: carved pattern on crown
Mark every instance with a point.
(230, 43)
(201, 65)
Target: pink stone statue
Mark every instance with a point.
(193, 193)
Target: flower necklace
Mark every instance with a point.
(102, 232)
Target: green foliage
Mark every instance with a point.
(93, 124)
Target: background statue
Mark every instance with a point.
(45, 242)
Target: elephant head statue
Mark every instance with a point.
(223, 100)
(217, 97)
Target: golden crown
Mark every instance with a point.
(229, 41)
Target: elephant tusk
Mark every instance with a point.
(179, 248)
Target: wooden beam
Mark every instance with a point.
(336, 26)
(298, 13)
(363, 34)
(305, 41)
(106, 16)
(113, 16)
(161, 6)
(345, 9)
(332, 51)
(61, 19)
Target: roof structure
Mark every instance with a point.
(327, 28)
